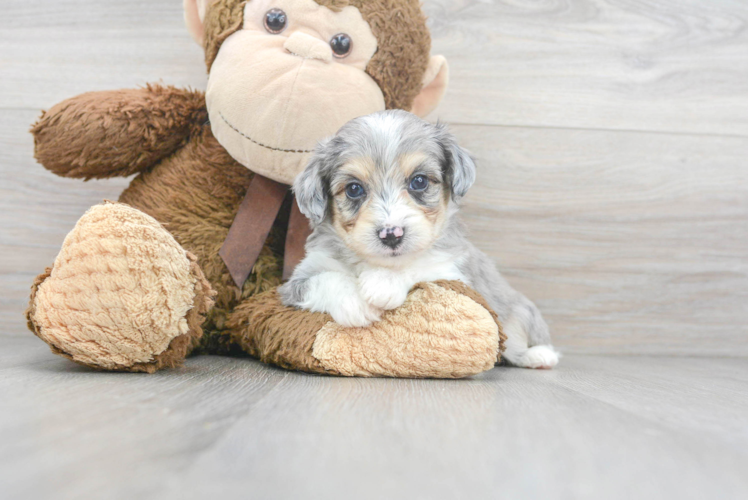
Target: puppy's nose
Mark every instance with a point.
(391, 236)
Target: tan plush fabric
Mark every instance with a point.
(194, 13)
(435, 83)
(319, 24)
(444, 330)
(276, 334)
(462, 289)
(191, 186)
(404, 42)
(195, 193)
(121, 291)
(437, 333)
(260, 88)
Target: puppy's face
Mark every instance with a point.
(391, 209)
(384, 183)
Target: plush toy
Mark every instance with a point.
(188, 259)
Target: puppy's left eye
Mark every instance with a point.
(419, 183)
(354, 191)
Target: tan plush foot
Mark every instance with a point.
(443, 330)
(122, 294)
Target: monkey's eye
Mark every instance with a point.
(354, 191)
(419, 183)
(275, 21)
(341, 45)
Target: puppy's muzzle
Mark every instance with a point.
(391, 236)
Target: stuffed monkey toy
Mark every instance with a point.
(188, 259)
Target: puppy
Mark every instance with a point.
(383, 196)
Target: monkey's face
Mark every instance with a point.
(293, 74)
(384, 185)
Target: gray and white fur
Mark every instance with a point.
(383, 197)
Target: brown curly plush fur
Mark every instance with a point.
(187, 180)
(435, 336)
(116, 133)
(403, 40)
(189, 183)
(194, 192)
(192, 187)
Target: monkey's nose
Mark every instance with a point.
(391, 236)
(308, 47)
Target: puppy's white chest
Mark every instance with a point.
(431, 267)
(435, 266)
(387, 289)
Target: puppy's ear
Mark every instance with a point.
(310, 187)
(459, 166)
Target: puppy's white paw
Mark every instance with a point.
(382, 289)
(539, 356)
(337, 294)
(353, 311)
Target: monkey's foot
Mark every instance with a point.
(443, 330)
(122, 295)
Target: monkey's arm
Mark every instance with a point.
(116, 133)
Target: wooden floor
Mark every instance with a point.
(598, 427)
(612, 145)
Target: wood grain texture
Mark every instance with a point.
(610, 137)
(629, 242)
(596, 427)
(52, 50)
(37, 209)
(654, 65)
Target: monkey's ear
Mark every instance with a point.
(435, 82)
(194, 15)
(309, 186)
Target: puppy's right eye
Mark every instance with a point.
(354, 191)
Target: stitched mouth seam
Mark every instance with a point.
(261, 144)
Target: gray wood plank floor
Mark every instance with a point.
(596, 427)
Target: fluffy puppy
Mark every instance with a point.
(382, 196)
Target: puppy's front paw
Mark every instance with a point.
(353, 311)
(383, 290)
